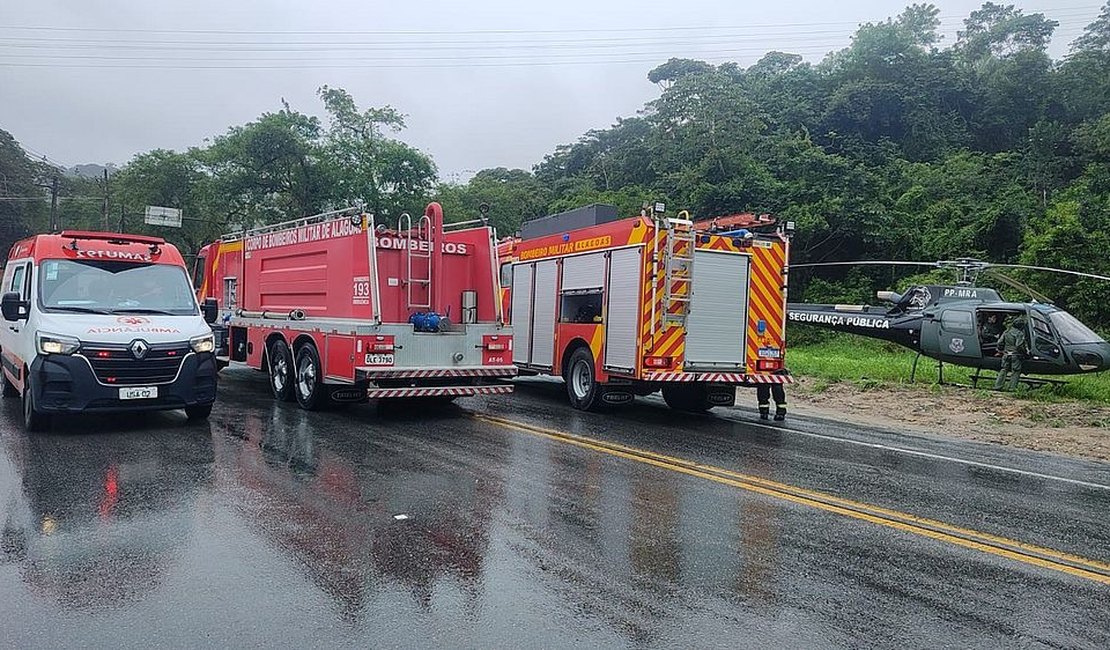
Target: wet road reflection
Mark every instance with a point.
(97, 526)
(394, 527)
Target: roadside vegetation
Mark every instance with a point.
(906, 144)
(870, 364)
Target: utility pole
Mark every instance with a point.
(104, 207)
(54, 205)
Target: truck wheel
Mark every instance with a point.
(281, 371)
(691, 398)
(198, 413)
(582, 387)
(309, 386)
(33, 419)
(6, 387)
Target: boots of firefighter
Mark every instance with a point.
(763, 396)
(780, 411)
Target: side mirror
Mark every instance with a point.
(13, 307)
(211, 310)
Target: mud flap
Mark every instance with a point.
(349, 394)
(721, 395)
(616, 397)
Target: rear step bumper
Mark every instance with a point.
(389, 372)
(439, 391)
(720, 377)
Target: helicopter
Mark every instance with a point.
(944, 322)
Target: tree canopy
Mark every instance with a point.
(897, 146)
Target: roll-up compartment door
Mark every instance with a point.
(622, 322)
(583, 272)
(521, 316)
(717, 322)
(543, 314)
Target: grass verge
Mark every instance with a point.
(870, 363)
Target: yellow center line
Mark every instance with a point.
(1000, 546)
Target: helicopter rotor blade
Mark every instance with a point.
(1024, 288)
(1053, 270)
(866, 263)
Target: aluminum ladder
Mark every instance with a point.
(678, 270)
(417, 259)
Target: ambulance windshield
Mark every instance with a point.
(115, 288)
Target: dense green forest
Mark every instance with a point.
(896, 147)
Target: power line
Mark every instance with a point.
(631, 30)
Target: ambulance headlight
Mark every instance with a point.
(205, 343)
(56, 344)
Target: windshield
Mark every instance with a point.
(1071, 330)
(115, 288)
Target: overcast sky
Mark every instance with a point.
(484, 83)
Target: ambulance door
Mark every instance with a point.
(17, 279)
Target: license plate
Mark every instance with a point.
(770, 353)
(138, 392)
(379, 359)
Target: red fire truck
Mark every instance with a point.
(337, 308)
(625, 307)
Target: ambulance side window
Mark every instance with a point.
(17, 284)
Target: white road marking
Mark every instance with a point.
(925, 454)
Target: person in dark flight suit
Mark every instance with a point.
(1014, 347)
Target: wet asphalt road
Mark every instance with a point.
(484, 524)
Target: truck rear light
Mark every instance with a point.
(768, 364)
(382, 347)
(658, 362)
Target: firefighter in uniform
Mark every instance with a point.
(764, 393)
(1013, 346)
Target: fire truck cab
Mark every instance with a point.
(626, 307)
(337, 308)
(99, 321)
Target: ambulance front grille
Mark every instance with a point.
(115, 365)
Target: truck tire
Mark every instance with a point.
(33, 419)
(6, 387)
(582, 388)
(308, 384)
(281, 370)
(198, 413)
(690, 398)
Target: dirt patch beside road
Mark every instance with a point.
(1072, 428)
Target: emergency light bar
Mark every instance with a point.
(112, 237)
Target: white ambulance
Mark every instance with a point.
(96, 321)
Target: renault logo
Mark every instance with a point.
(139, 348)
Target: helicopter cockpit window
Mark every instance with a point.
(1040, 326)
(1071, 330)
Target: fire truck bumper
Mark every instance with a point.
(473, 372)
(67, 384)
(439, 391)
(737, 378)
